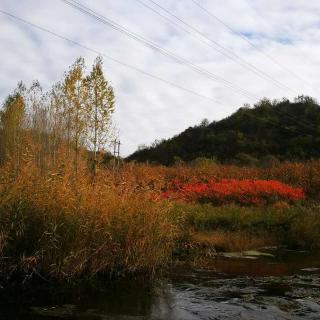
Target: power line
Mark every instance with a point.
(109, 57)
(247, 40)
(254, 9)
(118, 61)
(154, 46)
(197, 32)
(200, 36)
(212, 15)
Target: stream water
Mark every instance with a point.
(274, 284)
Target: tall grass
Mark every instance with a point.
(58, 225)
(238, 228)
(63, 227)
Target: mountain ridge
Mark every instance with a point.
(278, 130)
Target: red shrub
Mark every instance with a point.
(246, 192)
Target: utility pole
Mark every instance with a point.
(116, 154)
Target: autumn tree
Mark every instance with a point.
(38, 122)
(56, 128)
(12, 121)
(74, 116)
(75, 90)
(100, 107)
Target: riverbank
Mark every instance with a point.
(141, 236)
(281, 284)
(61, 227)
(232, 228)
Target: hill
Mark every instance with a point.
(268, 131)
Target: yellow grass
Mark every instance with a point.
(67, 227)
(232, 241)
(55, 224)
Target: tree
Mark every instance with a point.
(56, 120)
(305, 100)
(74, 115)
(100, 107)
(204, 123)
(12, 122)
(38, 122)
(75, 91)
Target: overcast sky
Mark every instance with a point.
(286, 31)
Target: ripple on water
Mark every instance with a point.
(279, 285)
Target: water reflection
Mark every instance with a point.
(285, 286)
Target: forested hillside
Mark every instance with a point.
(267, 131)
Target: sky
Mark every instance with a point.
(255, 49)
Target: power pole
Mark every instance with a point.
(116, 154)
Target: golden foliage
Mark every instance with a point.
(71, 227)
(65, 225)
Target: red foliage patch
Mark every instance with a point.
(245, 192)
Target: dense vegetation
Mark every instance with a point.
(267, 132)
(66, 124)
(244, 192)
(53, 226)
(67, 212)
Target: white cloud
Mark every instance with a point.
(147, 109)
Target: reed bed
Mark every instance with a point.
(56, 224)
(61, 227)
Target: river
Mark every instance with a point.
(270, 284)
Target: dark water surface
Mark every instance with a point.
(280, 284)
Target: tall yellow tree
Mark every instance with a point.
(12, 122)
(56, 121)
(100, 106)
(75, 90)
(38, 122)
